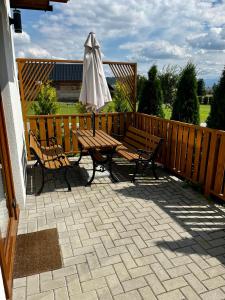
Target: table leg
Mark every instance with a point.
(110, 156)
(94, 168)
(79, 159)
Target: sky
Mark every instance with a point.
(162, 32)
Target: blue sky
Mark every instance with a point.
(157, 31)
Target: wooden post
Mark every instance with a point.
(24, 108)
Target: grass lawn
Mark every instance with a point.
(63, 109)
(204, 112)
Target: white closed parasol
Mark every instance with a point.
(94, 91)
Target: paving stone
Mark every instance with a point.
(19, 293)
(104, 294)
(61, 294)
(93, 284)
(214, 282)
(84, 272)
(64, 272)
(134, 284)
(201, 275)
(86, 296)
(147, 293)
(178, 271)
(19, 282)
(175, 283)
(195, 283)
(128, 260)
(33, 284)
(172, 295)
(42, 296)
(121, 272)
(155, 284)
(140, 271)
(134, 295)
(214, 294)
(215, 271)
(102, 272)
(114, 285)
(52, 284)
(73, 285)
(189, 293)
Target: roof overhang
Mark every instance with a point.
(34, 4)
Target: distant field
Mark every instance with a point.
(72, 108)
(204, 112)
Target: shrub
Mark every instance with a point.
(119, 101)
(152, 97)
(141, 81)
(186, 104)
(46, 100)
(201, 90)
(216, 117)
(169, 79)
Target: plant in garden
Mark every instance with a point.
(141, 81)
(186, 104)
(169, 79)
(119, 101)
(151, 99)
(201, 91)
(46, 100)
(216, 117)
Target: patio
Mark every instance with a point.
(156, 239)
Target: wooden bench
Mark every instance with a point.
(51, 158)
(140, 147)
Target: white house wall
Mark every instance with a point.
(2, 292)
(12, 105)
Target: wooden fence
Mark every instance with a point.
(193, 152)
(61, 126)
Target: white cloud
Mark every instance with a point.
(149, 50)
(166, 31)
(21, 38)
(212, 40)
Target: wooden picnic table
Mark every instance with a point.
(100, 147)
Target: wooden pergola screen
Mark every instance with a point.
(34, 72)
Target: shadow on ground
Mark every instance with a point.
(200, 221)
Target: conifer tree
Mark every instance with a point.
(216, 117)
(152, 97)
(186, 104)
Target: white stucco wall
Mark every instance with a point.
(11, 104)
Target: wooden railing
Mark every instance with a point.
(61, 126)
(193, 152)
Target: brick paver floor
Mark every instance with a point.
(155, 239)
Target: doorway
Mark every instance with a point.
(9, 211)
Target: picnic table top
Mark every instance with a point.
(101, 139)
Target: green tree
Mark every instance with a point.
(201, 87)
(119, 101)
(46, 100)
(141, 81)
(169, 79)
(186, 104)
(216, 117)
(152, 97)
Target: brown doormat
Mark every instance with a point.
(37, 252)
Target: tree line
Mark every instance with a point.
(181, 90)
